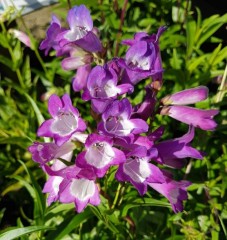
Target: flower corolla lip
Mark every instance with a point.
(188, 96)
(137, 170)
(80, 191)
(51, 36)
(116, 120)
(174, 191)
(173, 152)
(192, 116)
(52, 184)
(102, 87)
(65, 120)
(80, 23)
(76, 57)
(81, 30)
(143, 58)
(99, 154)
(45, 152)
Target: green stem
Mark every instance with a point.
(116, 196)
(20, 78)
(221, 89)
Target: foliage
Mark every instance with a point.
(28, 79)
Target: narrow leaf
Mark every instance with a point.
(10, 233)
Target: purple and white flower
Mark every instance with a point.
(102, 88)
(117, 122)
(65, 120)
(80, 32)
(81, 191)
(175, 192)
(173, 152)
(138, 171)
(45, 152)
(143, 58)
(77, 57)
(52, 184)
(99, 155)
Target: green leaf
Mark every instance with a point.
(214, 54)
(20, 141)
(39, 115)
(3, 40)
(221, 56)
(14, 233)
(191, 32)
(17, 55)
(6, 61)
(69, 225)
(195, 62)
(26, 71)
(51, 211)
(144, 202)
(208, 28)
(39, 199)
(175, 61)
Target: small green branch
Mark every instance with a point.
(116, 196)
(221, 89)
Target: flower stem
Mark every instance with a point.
(221, 89)
(116, 196)
(120, 27)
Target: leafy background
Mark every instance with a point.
(194, 53)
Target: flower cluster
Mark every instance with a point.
(122, 137)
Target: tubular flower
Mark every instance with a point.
(65, 120)
(192, 116)
(100, 154)
(116, 121)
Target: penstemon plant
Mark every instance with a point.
(77, 159)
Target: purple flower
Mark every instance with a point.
(45, 152)
(80, 80)
(51, 36)
(80, 191)
(192, 116)
(138, 171)
(145, 109)
(143, 58)
(102, 88)
(172, 152)
(61, 178)
(52, 188)
(77, 57)
(174, 191)
(80, 33)
(116, 121)
(65, 120)
(188, 96)
(52, 184)
(99, 155)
